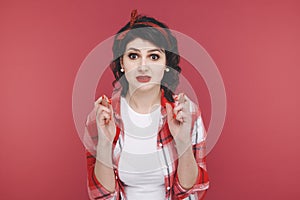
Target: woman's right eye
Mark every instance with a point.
(133, 56)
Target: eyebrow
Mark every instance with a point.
(151, 50)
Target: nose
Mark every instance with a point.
(143, 64)
(144, 60)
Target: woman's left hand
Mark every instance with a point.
(180, 120)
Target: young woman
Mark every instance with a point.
(145, 142)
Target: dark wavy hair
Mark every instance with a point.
(156, 32)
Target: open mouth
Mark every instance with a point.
(143, 79)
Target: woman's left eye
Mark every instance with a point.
(154, 57)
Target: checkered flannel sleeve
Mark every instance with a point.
(95, 189)
(202, 183)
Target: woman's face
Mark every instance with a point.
(144, 64)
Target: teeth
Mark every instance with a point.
(143, 78)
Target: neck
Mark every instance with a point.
(144, 101)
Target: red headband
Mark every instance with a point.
(132, 22)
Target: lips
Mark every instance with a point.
(143, 79)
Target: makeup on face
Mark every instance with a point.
(143, 64)
(143, 79)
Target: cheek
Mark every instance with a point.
(159, 73)
(129, 66)
(129, 75)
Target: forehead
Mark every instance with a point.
(141, 44)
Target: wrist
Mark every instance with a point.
(103, 143)
(183, 137)
(187, 153)
(104, 153)
(182, 147)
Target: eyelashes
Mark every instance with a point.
(154, 56)
(135, 56)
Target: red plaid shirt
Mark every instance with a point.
(166, 150)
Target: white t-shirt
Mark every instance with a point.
(139, 166)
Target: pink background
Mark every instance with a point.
(255, 45)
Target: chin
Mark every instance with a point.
(147, 87)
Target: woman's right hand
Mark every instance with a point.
(104, 118)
